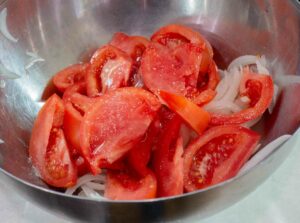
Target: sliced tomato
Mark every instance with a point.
(173, 70)
(75, 88)
(48, 149)
(123, 185)
(204, 97)
(194, 115)
(132, 45)
(110, 69)
(115, 123)
(139, 156)
(259, 89)
(217, 155)
(210, 79)
(167, 160)
(70, 75)
(174, 35)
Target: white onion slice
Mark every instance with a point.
(3, 26)
(34, 58)
(274, 99)
(222, 107)
(95, 186)
(84, 179)
(263, 153)
(1, 141)
(242, 61)
(252, 122)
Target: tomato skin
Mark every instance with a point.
(106, 126)
(195, 117)
(222, 151)
(167, 160)
(110, 69)
(134, 46)
(260, 90)
(139, 156)
(122, 185)
(174, 35)
(79, 88)
(48, 149)
(70, 75)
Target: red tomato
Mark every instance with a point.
(75, 88)
(173, 70)
(217, 155)
(134, 46)
(167, 160)
(115, 123)
(210, 79)
(174, 35)
(139, 156)
(259, 89)
(121, 185)
(204, 97)
(110, 69)
(48, 148)
(70, 75)
(195, 117)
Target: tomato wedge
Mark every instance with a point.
(195, 116)
(259, 89)
(167, 160)
(217, 155)
(123, 185)
(174, 35)
(139, 156)
(115, 123)
(75, 88)
(110, 69)
(48, 149)
(173, 70)
(70, 75)
(134, 46)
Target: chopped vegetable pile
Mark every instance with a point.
(151, 118)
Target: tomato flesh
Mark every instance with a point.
(70, 75)
(259, 89)
(217, 155)
(48, 149)
(124, 185)
(115, 123)
(110, 69)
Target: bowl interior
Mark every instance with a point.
(66, 32)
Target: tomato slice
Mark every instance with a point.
(217, 155)
(195, 116)
(134, 46)
(174, 35)
(210, 79)
(259, 89)
(48, 149)
(79, 88)
(167, 160)
(204, 97)
(110, 69)
(115, 123)
(123, 185)
(173, 70)
(70, 75)
(139, 156)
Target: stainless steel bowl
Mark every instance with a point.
(64, 32)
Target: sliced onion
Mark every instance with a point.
(252, 122)
(274, 99)
(1, 141)
(222, 107)
(263, 153)
(95, 186)
(3, 26)
(242, 61)
(84, 179)
(34, 58)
